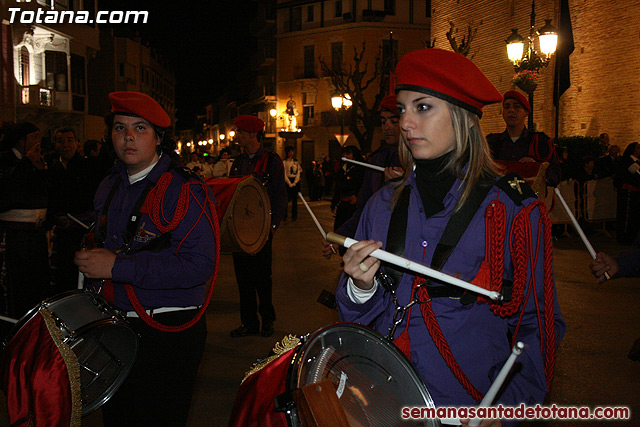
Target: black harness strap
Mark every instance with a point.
(454, 230)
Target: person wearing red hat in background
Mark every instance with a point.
(517, 143)
(453, 203)
(386, 156)
(253, 272)
(149, 253)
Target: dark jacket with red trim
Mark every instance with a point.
(536, 145)
(478, 338)
(174, 272)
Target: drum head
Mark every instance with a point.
(106, 351)
(249, 216)
(374, 380)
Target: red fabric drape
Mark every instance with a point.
(223, 189)
(35, 379)
(254, 402)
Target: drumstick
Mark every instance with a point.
(487, 400)
(82, 224)
(415, 267)
(592, 252)
(368, 165)
(9, 319)
(324, 235)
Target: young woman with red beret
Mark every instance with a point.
(457, 341)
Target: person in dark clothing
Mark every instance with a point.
(348, 182)
(253, 272)
(517, 143)
(607, 164)
(23, 208)
(72, 184)
(329, 171)
(627, 181)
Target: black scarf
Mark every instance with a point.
(433, 182)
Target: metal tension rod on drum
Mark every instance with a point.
(592, 252)
(315, 220)
(9, 319)
(415, 267)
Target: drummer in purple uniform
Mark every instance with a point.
(386, 156)
(166, 253)
(457, 341)
(253, 272)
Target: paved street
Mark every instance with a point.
(592, 367)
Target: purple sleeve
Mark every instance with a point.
(629, 262)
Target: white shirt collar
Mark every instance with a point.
(142, 174)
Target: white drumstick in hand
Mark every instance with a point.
(315, 220)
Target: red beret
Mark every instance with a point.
(446, 75)
(513, 94)
(389, 104)
(140, 105)
(248, 123)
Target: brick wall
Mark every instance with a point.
(604, 94)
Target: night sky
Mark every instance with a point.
(206, 41)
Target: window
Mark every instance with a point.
(307, 115)
(338, 9)
(310, 13)
(336, 56)
(24, 66)
(56, 70)
(295, 23)
(390, 7)
(309, 62)
(77, 74)
(389, 54)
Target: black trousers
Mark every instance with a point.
(27, 264)
(64, 272)
(253, 274)
(628, 219)
(292, 192)
(158, 391)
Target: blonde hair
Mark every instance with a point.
(470, 148)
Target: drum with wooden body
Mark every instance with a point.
(344, 374)
(244, 212)
(103, 344)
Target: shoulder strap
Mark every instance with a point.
(514, 186)
(101, 234)
(396, 235)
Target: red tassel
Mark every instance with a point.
(483, 278)
(403, 342)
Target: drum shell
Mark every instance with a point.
(244, 213)
(104, 344)
(300, 366)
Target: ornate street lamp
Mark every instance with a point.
(528, 63)
(340, 103)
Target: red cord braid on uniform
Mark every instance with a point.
(153, 207)
(523, 243)
(440, 341)
(549, 315)
(495, 226)
(154, 203)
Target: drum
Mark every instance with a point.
(101, 341)
(244, 212)
(372, 381)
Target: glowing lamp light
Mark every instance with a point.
(515, 46)
(548, 38)
(210, 141)
(273, 112)
(232, 133)
(222, 137)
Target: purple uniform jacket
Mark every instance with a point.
(273, 179)
(171, 277)
(477, 337)
(385, 156)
